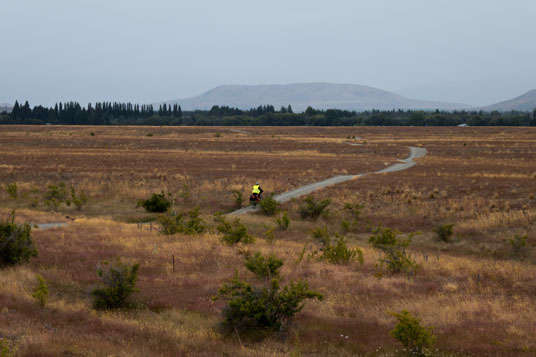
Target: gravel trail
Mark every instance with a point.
(414, 153)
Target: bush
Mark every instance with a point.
(269, 205)
(41, 291)
(157, 203)
(518, 245)
(266, 267)
(320, 235)
(411, 334)
(185, 193)
(174, 224)
(339, 253)
(117, 284)
(5, 351)
(354, 211)
(265, 308)
(283, 222)
(313, 209)
(394, 249)
(269, 233)
(16, 245)
(335, 253)
(11, 189)
(237, 198)
(444, 232)
(233, 232)
(79, 199)
(56, 195)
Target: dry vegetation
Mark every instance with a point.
(474, 291)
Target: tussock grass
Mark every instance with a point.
(471, 284)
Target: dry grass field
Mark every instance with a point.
(477, 294)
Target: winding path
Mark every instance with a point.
(414, 153)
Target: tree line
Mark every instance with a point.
(114, 113)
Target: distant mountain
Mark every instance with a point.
(302, 95)
(525, 102)
(5, 107)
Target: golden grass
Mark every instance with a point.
(471, 285)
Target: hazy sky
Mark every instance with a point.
(472, 51)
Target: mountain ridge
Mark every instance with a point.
(318, 95)
(524, 102)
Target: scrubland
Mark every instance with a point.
(476, 291)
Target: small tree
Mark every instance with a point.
(320, 235)
(233, 232)
(352, 222)
(16, 244)
(56, 195)
(266, 307)
(313, 209)
(335, 252)
(5, 351)
(269, 205)
(266, 267)
(339, 253)
(237, 198)
(283, 222)
(118, 282)
(41, 291)
(411, 334)
(11, 189)
(444, 232)
(518, 244)
(393, 248)
(174, 224)
(79, 199)
(157, 203)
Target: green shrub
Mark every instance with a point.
(335, 252)
(415, 337)
(266, 307)
(157, 203)
(393, 248)
(41, 291)
(185, 193)
(11, 189)
(174, 224)
(118, 282)
(339, 253)
(320, 235)
(237, 198)
(16, 245)
(79, 200)
(233, 232)
(444, 232)
(283, 222)
(269, 205)
(352, 222)
(270, 237)
(56, 195)
(266, 267)
(518, 244)
(5, 351)
(354, 210)
(313, 209)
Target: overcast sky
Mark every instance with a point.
(472, 51)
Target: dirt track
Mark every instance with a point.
(414, 153)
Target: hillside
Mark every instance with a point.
(302, 95)
(525, 102)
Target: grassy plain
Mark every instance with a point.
(474, 291)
